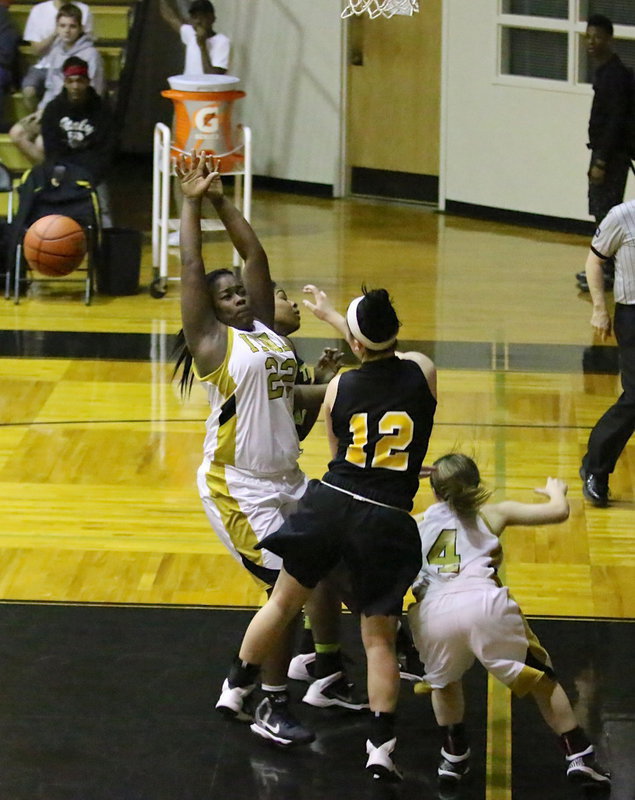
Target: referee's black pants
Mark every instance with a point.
(613, 430)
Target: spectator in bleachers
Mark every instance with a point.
(206, 52)
(9, 41)
(77, 129)
(40, 32)
(70, 41)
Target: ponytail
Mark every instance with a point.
(457, 481)
(183, 357)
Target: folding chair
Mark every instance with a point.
(56, 189)
(6, 188)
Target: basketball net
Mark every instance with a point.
(380, 8)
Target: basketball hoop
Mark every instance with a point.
(380, 8)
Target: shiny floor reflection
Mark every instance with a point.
(116, 702)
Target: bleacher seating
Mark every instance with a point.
(111, 22)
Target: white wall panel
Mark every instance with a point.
(288, 56)
(521, 148)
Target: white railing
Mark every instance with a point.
(162, 224)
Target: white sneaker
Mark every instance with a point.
(301, 668)
(334, 690)
(380, 763)
(174, 239)
(232, 703)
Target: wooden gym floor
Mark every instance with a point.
(120, 609)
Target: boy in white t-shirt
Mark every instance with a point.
(206, 52)
(40, 32)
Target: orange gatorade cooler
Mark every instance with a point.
(203, 117)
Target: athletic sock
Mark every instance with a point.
(574, 741)
(242, 673)
(306, 639)
(277, 694)
(455, 741)
(382, 727)
(328, 659)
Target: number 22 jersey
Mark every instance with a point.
(251, 424)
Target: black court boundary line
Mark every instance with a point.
(485, 356)
(190, 607)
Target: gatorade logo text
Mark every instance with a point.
(206, 119)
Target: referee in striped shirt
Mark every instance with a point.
(614, 238)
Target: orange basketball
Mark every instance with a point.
(55, 245)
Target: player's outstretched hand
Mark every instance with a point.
(427, 470)
(553, 488)
(215, 190)
(321, 305)
(193, 174)
(328, 365)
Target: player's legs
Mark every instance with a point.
(448, 704)
(266, 645)
(379, 635)
(330, 686)
(554, 705)
(269, 624)
(556, 710)
(613, 430)
(239, 508)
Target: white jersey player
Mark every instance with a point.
(249, 480)
(464, 613)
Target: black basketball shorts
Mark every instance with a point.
(380, 547)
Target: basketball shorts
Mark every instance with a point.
(379, 545)
(482, 621)
(243, 508)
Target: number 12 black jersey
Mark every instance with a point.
(382, 417)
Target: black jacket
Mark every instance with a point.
(612, 97)
(82, 135)
(9, 40)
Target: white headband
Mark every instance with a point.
(351, 319)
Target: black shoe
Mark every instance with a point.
(274, 721)
(334, 690)
(595, 488)
(581, 276)
(582, 768)
(453, 768)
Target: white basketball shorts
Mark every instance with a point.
(243, 508)
(451, 628)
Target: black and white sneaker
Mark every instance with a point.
(583, 768)
(234, 702)
(380, 764)
(334, 690)
(274, 721)
(453, 768)
(302, 668)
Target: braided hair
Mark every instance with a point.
(181, 352)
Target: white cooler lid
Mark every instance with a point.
(203, 83)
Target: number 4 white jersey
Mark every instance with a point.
(454, 548)
(251, 423)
